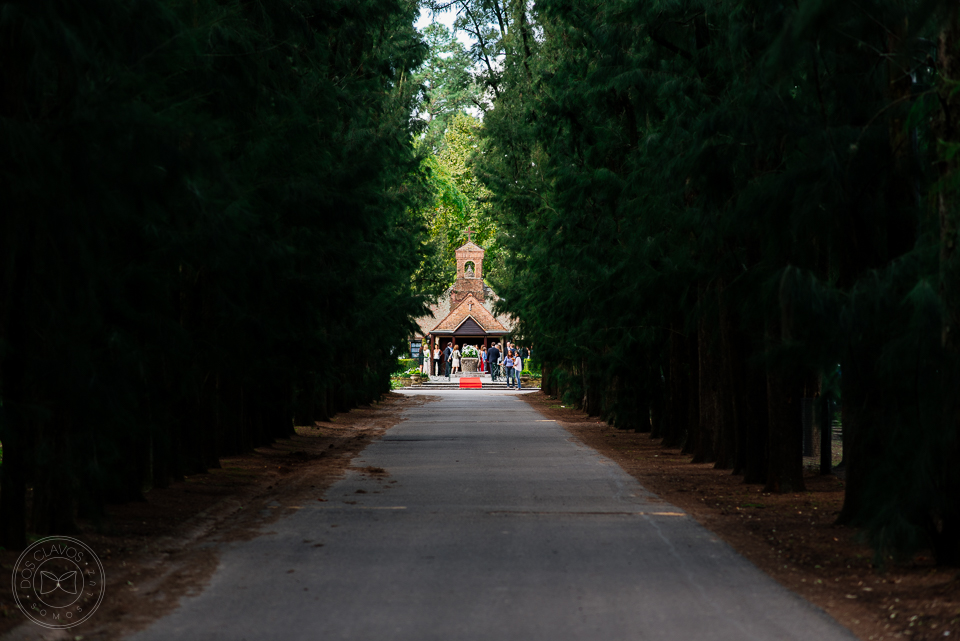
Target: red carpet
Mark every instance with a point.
(470, 383)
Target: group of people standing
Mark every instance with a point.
(509, 362)
(499, 361)
(451, 356)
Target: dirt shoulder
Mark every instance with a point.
(156, 551)
(791, 537)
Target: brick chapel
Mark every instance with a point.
(464, 313)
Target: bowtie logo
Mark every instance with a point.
(50, 582)
(58, 582)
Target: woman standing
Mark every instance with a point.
(456, 359)
(436, 359)
(517, 367)
(508, 368)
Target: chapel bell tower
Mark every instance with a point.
(469, 274)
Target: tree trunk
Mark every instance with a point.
(785, 429)
(591, 391)
(945, 531)
(948, 132)
(756, 427)
(323, 404)
(826, 433)
(785, 471)
(677, 416)
(658, 400)
(692, 384)
(858, 450)
(705, 450)
(727, 390)
(15, 432)
(546, 381)
(13, 474)
(53, 508)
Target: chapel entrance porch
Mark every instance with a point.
(480, 341)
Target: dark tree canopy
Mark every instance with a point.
(211, 231)
(220, 217)
(714, 211)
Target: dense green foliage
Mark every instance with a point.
(448, 86)
(219, 218)
(708, 206)
(460, 202)
(211, 229)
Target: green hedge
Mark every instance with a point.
(403, 364)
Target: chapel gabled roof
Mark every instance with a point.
(462, 312)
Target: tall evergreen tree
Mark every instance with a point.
(449, 87)
(708, 207)
(206, 205)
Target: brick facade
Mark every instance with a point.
(467, 298)
(469, 281)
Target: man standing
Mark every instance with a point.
(448, 358)
(493, 356)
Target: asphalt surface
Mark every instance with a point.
(498, 527)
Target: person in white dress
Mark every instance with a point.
(456, 359)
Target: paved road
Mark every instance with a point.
(498, 527)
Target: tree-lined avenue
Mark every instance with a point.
(490, 523)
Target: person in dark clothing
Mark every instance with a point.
(493, 357)
(448, 359)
